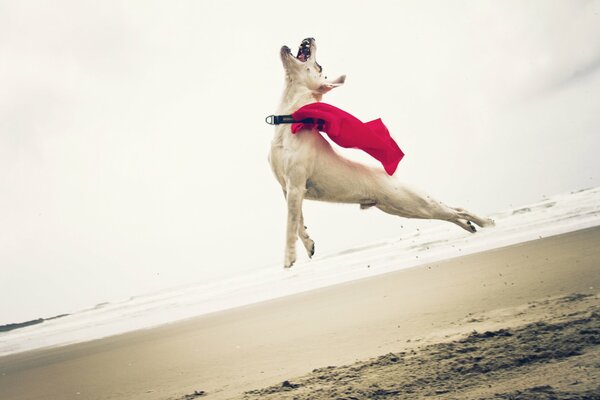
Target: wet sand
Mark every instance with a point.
(407, 334)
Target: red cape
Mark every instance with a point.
(349, 132)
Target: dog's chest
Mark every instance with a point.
(276, 162)
(292, 152)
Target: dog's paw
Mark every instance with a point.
(472, 227)
(290, 259)
(309, 245)
(488, 222)
(310, 248)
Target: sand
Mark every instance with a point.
(520, 322)
(555, 358)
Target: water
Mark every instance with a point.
(438, 241)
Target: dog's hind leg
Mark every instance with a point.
(308, 243)
(404, 202)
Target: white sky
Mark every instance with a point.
(133, 148)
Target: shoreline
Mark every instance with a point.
(246, 348)
(435, 242)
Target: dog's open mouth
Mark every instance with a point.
(304, 50)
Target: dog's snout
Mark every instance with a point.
(285, 49)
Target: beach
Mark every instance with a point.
(304, 345)
(449, 214)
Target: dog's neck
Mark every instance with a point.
(297, 95)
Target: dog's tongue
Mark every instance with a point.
(303, 52)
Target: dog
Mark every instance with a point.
(307, 167)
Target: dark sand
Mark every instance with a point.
(558, 358)
(407, 334)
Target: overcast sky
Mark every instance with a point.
(133, 148)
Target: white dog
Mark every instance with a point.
(307, 167)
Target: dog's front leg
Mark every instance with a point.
(308, 243)
(295, 195)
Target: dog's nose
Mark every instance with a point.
(285, 49)
(308, 40)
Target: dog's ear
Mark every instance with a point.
(328, 85)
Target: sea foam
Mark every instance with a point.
(439, 241)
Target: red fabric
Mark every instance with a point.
(349, 132)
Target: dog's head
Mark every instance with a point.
(303, 69)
